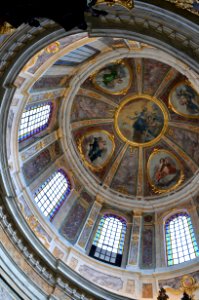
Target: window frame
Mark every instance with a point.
(172, 217)
(39, 129)
(92, 248)
(61, 200)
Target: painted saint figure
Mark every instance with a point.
(140, 125)
(188, 98)
(147, 125)
(96, 148)
(166, 172)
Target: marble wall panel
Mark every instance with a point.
(35, 166)
(73, 222)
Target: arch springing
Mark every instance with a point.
(180, 239)
(109, 239)
(34, 119)
(52, 193)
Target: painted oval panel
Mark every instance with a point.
(184, 100)
(164, 170)
(141, 120)
(96, 149)
(115, 78)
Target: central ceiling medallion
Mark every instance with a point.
(141, 120)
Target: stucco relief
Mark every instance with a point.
(147, 290)
(73, 263)
(130, 286)
(104, 280)
(58, 253)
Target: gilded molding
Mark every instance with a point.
(128, 4)
(185, 4)
(6, 28)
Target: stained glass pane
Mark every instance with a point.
(180, 239)
(52, 193)
(34, 119)
(109, 238)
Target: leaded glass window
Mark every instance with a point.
(34, 119)
(180, 239)
(109, 239)
(52, 193)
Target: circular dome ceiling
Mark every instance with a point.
(134, 125)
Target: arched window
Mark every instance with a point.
(34, 119)
(52, 193)
(180, 239)
(109, 240)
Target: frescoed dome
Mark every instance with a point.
(142, 118)
(99, 155)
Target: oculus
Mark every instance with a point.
(114, 78)
(164, 171)
(184, 100)
(96, 148)
(141, 120)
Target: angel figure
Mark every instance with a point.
(96, 148)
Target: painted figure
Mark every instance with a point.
(147, 125)
(187, 97)
(140, 125)
(96, 148)
(112, 77)
(166, 172)
(165, 168)
(195, 5)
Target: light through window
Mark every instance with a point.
(180, 239)
(52, 193)
(34, 119)
(109, 240)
